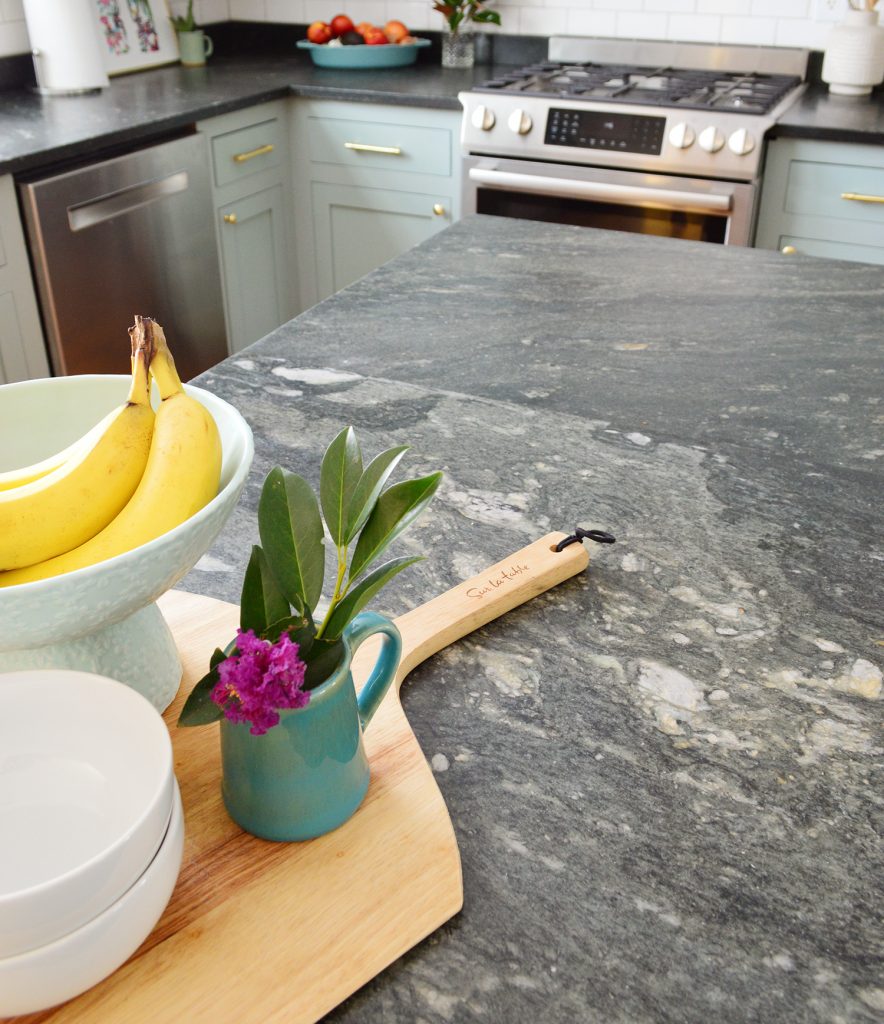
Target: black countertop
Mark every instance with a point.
(662, 773)
(819, 114)
(36, 131)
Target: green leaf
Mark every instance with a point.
(300, 628)
(363, 592)
(487, 16)
(292, 536)
(396, 509)
(323, 658)
(199, 708)
(340, 473)
(261, 601)
(370, 485)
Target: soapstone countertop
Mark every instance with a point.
(37, 131)
(819, 114)
(664, 773)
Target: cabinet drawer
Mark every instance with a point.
(820, 189)
(246, 151)
(380, 146)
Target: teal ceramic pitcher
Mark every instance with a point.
(308, 774)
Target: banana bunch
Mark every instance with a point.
(132, 478)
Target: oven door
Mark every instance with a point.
(649, 204)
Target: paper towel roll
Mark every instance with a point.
(65, 43)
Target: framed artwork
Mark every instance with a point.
(135, 34)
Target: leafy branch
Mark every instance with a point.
(466, 10)
(283, 581)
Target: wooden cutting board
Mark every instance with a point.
(259, 931)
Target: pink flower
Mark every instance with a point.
(259, 680)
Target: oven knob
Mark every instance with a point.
(520, 122)
(741, 142)
(483, 118)
(682, 136)
(711, 139)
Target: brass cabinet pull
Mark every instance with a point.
(789, 250)
(438, 209)
(858, 197)
(229, 218)
(362, 147)
(240, 158)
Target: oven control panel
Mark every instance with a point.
(614, 132)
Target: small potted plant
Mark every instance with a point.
(194, 46)
(459, 40)
(292, 758)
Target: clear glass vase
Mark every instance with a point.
(458, 48)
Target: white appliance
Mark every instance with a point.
(66, 46)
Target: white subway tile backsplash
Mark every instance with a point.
(752, 31)
(695, 28)
(642, 26)
(753, 22)
(13, 38)
(286, 12)
(591, 23)
(12, 10)
(782, 8)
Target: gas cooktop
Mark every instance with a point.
(697, 89)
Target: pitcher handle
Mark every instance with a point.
(368, 624)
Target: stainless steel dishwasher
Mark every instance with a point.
(130, 234)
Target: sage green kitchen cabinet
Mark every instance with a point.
(371, 182)
(823, 199)
(251, 187)
(22, 348)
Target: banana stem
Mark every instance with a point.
(162, 364)
(142, 350)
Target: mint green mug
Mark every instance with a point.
(194, 47)
(309, 774)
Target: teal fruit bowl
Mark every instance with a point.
(354, 57)
(102, 618)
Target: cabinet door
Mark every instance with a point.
(358, 229)
(253, 252)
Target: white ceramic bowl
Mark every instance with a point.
(69, 621)
(56, 972)
(86, 784)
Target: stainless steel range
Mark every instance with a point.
(659, 138)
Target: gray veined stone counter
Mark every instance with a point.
(663, 774)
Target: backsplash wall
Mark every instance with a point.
(765, 22)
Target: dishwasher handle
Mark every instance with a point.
(125, 200)
(628, 195)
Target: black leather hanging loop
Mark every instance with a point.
(599, 536)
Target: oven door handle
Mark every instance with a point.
(627, 195)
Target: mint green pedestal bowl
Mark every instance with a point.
(103, 618)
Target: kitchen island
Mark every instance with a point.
(661, 774)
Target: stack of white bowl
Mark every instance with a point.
(92, 832)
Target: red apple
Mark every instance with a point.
(340, 24)
(375, 37)
(319, 32)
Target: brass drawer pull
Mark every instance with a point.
(240, 158)
(858, 197)
(362, 147)
(788, 250)
(229, 218)
(438, 209)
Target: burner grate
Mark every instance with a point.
(749, 93)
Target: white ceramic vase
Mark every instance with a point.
(854, 59)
